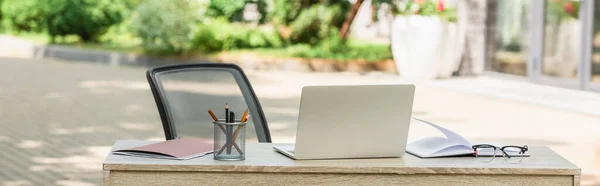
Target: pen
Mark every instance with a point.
(229, 136)
(226, 113)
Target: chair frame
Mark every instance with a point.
(159, 98)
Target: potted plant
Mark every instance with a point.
(563, 37)
(425, 39)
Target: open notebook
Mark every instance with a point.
(450, 145)
(177, 149)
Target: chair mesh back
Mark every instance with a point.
(186, 93)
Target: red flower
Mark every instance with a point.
(440, 6)
(569, 8)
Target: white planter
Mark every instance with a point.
(424, 47)
(569, 38)
(561, 48)
(450, 50)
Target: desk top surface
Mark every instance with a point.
(262, 158)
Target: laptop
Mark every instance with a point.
(355, 121)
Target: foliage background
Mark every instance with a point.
(85, 18)
(165, 27)
(298, 28)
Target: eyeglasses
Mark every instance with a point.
(512, 154)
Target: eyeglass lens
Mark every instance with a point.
(486, 154)
(515, 155)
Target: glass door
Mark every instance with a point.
(509, 37)
(558, 55)
(593, 59)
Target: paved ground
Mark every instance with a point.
(58, 120)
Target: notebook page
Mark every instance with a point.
(449, 134)
(438, 146)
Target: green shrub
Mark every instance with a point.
(166, 27)
(216, 35)
(256, 39)
(85, 18)
(428, 8)
(562, 9)
(273, 38)
(310, 22)
(285, 11)
(132, 4)
(24, 15)
(233, 10)
(0, 13)
(342, 50)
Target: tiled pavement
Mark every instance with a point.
(58, 120)
(55, 128)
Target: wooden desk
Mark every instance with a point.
(263, 166)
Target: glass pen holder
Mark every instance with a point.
(230, 140)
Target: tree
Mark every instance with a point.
(166, 26)
(474, 13)
(233, 10)
(309, 21)
(375, 4)
(0, 13)
(24, 15)
(350, 19)
(85, 18)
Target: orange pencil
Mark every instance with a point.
(212, 114)
(244, 119)
(244, 116)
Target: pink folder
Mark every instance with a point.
(178, 149)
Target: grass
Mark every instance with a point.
(353, 50)
(275, 52)
(112, 47)
(73, 41)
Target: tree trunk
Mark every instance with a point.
(349, 18)
(490, 36)
(473, 59)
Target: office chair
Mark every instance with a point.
(183, 94)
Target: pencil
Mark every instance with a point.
(235, 134)
(244, 119)
(212, 114)
(237, 131)
(244, 116)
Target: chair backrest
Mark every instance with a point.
(184, 93)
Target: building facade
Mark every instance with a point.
(555, 42)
